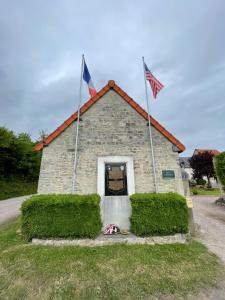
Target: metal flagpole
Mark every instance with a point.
(150, 129)
(77, 127)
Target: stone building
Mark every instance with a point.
(113, 157)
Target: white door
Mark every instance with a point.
(116, 210)
(116, 176)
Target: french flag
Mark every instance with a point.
(87, 78)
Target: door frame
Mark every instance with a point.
(128, 160)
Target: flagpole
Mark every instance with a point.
(77, 127)
(150, 129)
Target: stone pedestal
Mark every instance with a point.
(116, 210)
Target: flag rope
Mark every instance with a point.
(77, 127)
(150, 130)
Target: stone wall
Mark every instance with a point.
(109, 127)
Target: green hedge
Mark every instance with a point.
(158, 214)
(61, 216)
(220, 168)
(15, 187)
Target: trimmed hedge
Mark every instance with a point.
(15, 187)
(220, 168)
(158, 214)
(61, 216)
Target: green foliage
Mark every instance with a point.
(158, 214)
(202, 165)
(61, 216)
(17, 156)
(15, 188)
(195, 192)
(205, 191)
(220, 168)
(9, 236)
(201, 181)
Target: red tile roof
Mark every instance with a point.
(111, 85)
(202, 151)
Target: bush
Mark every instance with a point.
(158, 214)
(201, 181)
(61, 216)
(16, 187)
(220, 168)
(195, 192)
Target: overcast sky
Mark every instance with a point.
(183, 42)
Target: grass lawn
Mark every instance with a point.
(109, 272)
(15, 188)
(206, 192)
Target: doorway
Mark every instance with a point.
(115, 179)
(115, 183)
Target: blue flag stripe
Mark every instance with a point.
(86, 74)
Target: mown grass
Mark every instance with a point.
(109, 272)
(15, 188)
(206, 192)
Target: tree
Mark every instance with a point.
(7, 148)
(17, 156)
(202, 165)
(220, 168)
(42, 135)
(29, 161)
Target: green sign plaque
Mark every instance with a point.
(168, 174)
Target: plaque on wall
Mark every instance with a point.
(115, 179)
(168, 174)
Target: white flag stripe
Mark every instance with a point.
(156, 86)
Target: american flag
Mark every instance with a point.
(154, 83)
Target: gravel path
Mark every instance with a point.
(10, 208)
(210, 219)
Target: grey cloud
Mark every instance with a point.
(41, 47)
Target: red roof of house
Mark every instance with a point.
(110, 85)
(202, 151)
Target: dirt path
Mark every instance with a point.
(211, 224)
(10, 208)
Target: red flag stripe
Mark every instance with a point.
(151, 77)
(156, 86)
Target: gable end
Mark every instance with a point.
(111, 85)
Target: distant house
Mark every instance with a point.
(185, 163)
(202, 151)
